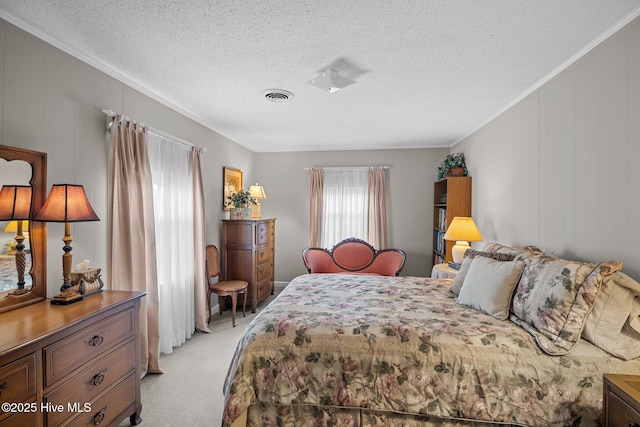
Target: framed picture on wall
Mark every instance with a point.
(232, 181)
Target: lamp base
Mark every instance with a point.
(255, 212)
(66, 299)
(458, 250)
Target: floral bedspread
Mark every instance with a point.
(403, 344)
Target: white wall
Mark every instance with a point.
(559, 169)
(52, 102)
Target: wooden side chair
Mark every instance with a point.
(223, 288)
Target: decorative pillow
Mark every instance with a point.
(554, 297)
(469, 255)
(614, 322)
(499, 248)
(489, 285)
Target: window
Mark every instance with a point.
(344, 205)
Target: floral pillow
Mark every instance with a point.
(554, 297)
(499, 248)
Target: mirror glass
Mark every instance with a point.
(17, 172)
(19, 166)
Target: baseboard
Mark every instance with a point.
(278, 284)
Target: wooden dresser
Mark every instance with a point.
(620, 400)
(77, 364)
(248, 254)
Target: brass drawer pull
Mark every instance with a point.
(98, 417)
(97, 379)
(96, 340)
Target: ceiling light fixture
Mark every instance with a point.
(330, 81)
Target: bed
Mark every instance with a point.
(354, 350)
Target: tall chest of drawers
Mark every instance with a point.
(248, 254)
(71, 365)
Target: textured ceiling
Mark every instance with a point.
(427, 72)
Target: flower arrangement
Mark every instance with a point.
(11, 246)
(240, 199)
(452, 161)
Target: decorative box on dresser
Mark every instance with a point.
(248, 254)
(74, 364)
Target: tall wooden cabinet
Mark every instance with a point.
(451, 198)
(248, 254)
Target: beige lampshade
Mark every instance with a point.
(257, 191)
(66, 203)
(463, 228)
(15, 202)
(12, 227)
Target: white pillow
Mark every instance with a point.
(489, 285)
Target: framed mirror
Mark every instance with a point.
(35, 165)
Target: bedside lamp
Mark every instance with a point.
(15, 206)
(66, 203)
(463, 230)
(257, 192)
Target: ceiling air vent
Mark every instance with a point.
(278, 95)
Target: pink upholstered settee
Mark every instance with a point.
(354, 256)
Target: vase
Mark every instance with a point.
(243, 212)
(236, 213)
(456, 172)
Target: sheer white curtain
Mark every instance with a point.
(344, 205)
(173, 208)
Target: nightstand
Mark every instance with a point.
(443, 271)
(621, 400)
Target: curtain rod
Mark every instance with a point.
(346, 167)
(112, 114)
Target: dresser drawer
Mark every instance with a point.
(264, 271)
(263, 289)
(110, 406)
(620, 413)
(22, 419)
(80, 348)
(264, 254)
(264, 233)
(85, 386)
(18, 381)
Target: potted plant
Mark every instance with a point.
(453, 165)
(240, 204)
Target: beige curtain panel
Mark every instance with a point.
(200, 280)
(315, 206)
(132, 249)
(377, 208)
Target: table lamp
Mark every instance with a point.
(15, 205)
(66, 203)
(257, 192)
(463, 230)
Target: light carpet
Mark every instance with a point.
(189, 392)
